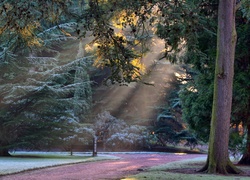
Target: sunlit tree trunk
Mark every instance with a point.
(218, 158)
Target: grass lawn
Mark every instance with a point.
(163, 172)
(22, 161)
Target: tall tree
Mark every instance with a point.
(241, 96)
(196, 106)
(39, 108)
(218, 158)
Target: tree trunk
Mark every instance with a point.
(71, 149)
(218, 158)
(4, 152)
(94, 154)
(245, 160)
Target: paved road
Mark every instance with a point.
(128, 164)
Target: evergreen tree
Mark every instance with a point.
(240, 109)
(40, 108)
(195, 104)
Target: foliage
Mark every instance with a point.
(196, 105)
(120, 29)
(22, 20)
(237, 144)
(130, 138)
(169, 127)
(39, 108)
(168, 130)
(115, 134)
(203, 92)
(81, 136)
(241, 80)
(196, 97)
(245, 8)
(33, 26)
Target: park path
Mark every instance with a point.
(128, 164)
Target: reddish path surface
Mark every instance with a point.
(129, 164)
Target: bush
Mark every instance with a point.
(116, 135)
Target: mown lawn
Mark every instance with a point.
(165, 172)
(22, 161)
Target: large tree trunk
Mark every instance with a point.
(245, 160)
(218, 158)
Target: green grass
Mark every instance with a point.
(161, 172)
(23, 161)
(160, 175)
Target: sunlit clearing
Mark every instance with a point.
(180, 154)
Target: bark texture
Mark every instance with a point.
(218, 157)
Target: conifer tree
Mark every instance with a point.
(39, 108)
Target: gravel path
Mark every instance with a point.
(128, 164)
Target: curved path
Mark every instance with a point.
(128, 164)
